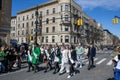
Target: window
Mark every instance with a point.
(47, 21)
(13, 34)
(27, 17)
(42, 39)
(23, 18)
(27, 24)
(53, 10)
(18, 32)
(47, 30)
(18, 25)
(18, 18)
(32, 16)
(53, 29)
(66, 17)
(31, 31)
(13, 28)
(22, 40)
(74, 39)
(61, 17)
(40, 23)
(22, 32)
(32, 23)
(66, 28)
(53, 20)
(47, 12)
(66, 7)
(66, 38)
(61, 8)
(53, 39)
(46, 39)
(23, 25)
(61, 39)
(40, 13)
(61, 27)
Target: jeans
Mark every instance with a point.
(91, 62)
(117, 74)
(79, 58)
(3, 66)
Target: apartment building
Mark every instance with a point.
(56, 24)
(107, 40)
(13, 28)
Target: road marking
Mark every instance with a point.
(109, 63)
(99, 62)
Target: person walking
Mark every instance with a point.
(73, 59)
(86, 51)
(79, 50)
(117, 66)
(35, 57)
(47, 58)
(29, 59)
(65, 62)
(91, 54)
(57, 58)
(2, 59)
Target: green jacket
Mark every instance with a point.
(36, 52)
(2, 55)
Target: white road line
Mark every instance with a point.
(99, 62)
(109, 63)
(94, 60)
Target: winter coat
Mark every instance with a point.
(91, 52)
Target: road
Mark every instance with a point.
(102, 71)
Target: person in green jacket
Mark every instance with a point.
(35, 57)
(2, 59)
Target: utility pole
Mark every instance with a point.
(71, 32)
(36, 23)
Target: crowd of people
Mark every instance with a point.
(60, 58)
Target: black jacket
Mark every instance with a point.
(91, 52)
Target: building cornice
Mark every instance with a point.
(38, 6)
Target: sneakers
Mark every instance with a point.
(80, 66)
(69, 76)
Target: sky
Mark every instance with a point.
(103, 11)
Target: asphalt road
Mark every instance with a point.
(102, 71)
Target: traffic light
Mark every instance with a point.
(31, 38)
(79, 22)
(115, 20)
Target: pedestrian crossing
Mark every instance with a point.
(99, 61)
